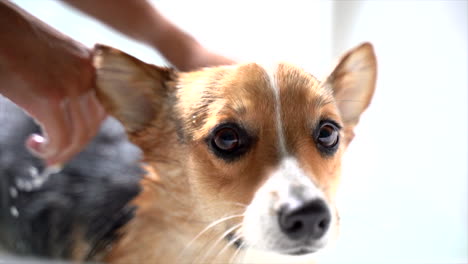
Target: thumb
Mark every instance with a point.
(36, 145)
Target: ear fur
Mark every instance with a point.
(353, 84)
(130, 90)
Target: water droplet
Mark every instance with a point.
(20, 184)
(44, 176)
(13, 192)
(14, 212)
(27, 186)
(33, 171)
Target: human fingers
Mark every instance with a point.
(98, 110)
(56, 125)
(78, 128)
(205, 58)
(86, 116)
(216, 60)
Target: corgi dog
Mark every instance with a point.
(242, 162)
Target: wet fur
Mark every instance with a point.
(187, 187)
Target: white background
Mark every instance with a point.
(404, 192)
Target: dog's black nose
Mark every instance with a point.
(310, 220)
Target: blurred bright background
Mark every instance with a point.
(404, 192)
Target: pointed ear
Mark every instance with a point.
(353, 84)
(130, 90)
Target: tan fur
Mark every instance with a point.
(170, 115)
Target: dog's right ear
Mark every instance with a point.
(130, 90)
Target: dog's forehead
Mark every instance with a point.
(249, 93)
(297, 87)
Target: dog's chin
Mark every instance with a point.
(239, 242)
(300, 251)
(297, 251)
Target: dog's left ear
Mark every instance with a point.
(353, 84)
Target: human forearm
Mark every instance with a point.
(141, 21)
(28, 44)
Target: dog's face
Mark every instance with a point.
(261, 146)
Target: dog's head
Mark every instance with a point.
(259, 146)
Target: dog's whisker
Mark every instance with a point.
(207, 228)
(352, 101)
(220, 238)
(239, 204)
(230, 243)
(238, 250)
(234, 203)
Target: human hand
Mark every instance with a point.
(186, 53)
(68, 124)
(142, 21)
(52, 78)
(201, 57)
(60, 96)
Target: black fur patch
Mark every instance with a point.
(88, 199)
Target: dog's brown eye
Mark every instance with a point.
(327, 137)
(226, 139)
(229, 141)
